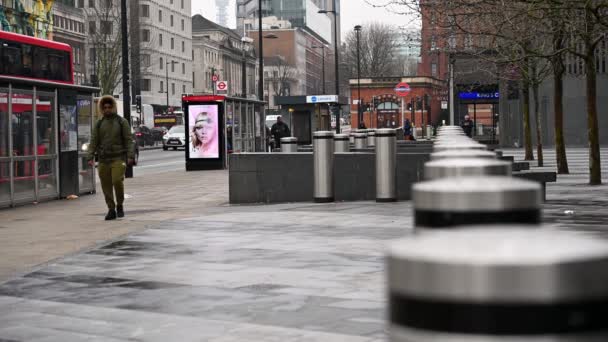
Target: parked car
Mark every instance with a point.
(176, 137)
(159, 132)
(143, 136)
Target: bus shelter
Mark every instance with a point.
(218, 125)
(44, 129)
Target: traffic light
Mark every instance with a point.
(138, 103)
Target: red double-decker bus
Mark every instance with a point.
(33, 58)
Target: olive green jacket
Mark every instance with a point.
(111, 140)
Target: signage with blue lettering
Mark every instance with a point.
(478, 96)
(322, 99)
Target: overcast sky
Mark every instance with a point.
(354, 12)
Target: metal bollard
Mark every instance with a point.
(461, 167)
(323, 156)
(500, 284)
(458, 145)
(386, 165)
(341, 143)
(462, 154)
(289, 145)
(351, 138)
(371, 138)
(360, 141)
(459, 201)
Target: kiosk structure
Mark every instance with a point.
(217, 125)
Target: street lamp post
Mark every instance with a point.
(261, 49)
(359, 113)
(167, 80)
(337, 60)
(322, 47)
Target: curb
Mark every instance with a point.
(148, 148)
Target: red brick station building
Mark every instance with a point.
(382, 107)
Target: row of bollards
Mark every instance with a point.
(481, 267)
(325, 144)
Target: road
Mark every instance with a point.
(159, 161)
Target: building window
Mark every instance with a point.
(160, 16)
(160, 39)
(172, 66)
(193, 80)
(91, 3)
(145, 35)
(92, 27)
(184, 68)
(162, 86)
(80, 3)
(183, 89)
(172, 43)
(182, 4)
(145, 60)
(172, 88)
(106, 27)
(171, 2)
(145, 84)
(183, 23)
(171, 20)
(108, 3)
(161, 63)
(434, 69)
(145, 11)
(92, 55)
(183, 46)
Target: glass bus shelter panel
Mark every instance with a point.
(258, 129)
(86, 174)
(245, 126)
(23, 148)
(250, 128)
(5, 183)
(4, 122)
(46, 145)
(229, 123)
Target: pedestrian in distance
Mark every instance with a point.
(279, 130)
(407, 130)
(467, 126)
(362, 125)
(112, 145)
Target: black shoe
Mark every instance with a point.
(119, 211)
(111, 215)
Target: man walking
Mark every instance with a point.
(279, 130)
(112, 145)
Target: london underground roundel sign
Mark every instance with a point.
(402, 89)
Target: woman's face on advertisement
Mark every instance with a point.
(204, 129)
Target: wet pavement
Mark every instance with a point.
(290, 272)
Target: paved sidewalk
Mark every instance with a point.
(206, 271)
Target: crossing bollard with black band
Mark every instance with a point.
(360, 140)
(461, 167)
(449, 202)
(342, 143)
(351, 138)
(386, 165)
(323, 160)
(371, 138)
(289, 145)
(459, 145)
(498, 284)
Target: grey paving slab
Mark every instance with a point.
(288, 272)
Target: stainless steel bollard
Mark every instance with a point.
(500, 284)
(289, 145)
(351, 137)
(323, 156)
(462, 167)
(360, 140)
(459, 201)
(386, 165)
(342, 143)
(458, 145)
(463, 154)
(371, 138)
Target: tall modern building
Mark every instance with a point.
(301, 13)
(222, 12)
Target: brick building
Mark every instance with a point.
(383, 108)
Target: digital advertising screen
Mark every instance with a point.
(204, 131)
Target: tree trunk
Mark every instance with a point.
(537, 117)
(558, 108)
(527, 129)
(595, 168)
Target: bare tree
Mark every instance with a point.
(377, 50)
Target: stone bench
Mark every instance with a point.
(542, 177)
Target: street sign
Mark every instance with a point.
(215, 78)
(444, 104)
(221, 86)
(402, 89)
(322, 99)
